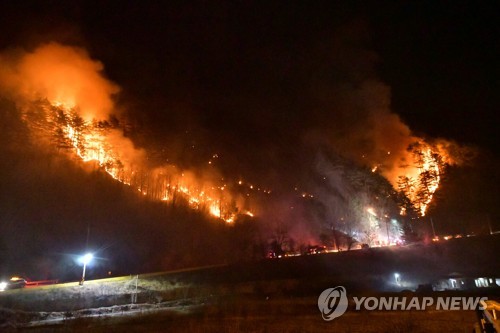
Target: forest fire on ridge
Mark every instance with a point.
(420, 180)
(90, 143)
(76, 104)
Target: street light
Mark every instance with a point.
(397, 278)
(87, 258)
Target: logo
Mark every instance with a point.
(418, 303)
(332, 302)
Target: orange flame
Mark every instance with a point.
(81, 100)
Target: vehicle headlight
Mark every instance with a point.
(3, 285)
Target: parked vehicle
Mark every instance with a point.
(15, 282)
(316, 249)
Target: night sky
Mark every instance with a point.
(264, 84)
(232, 66)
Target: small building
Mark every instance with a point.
(457, 281)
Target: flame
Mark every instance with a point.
(94, 144)
(423, 174)
(430, 164)
(81, 102)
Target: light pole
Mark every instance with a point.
(387, 229)
(397, 278)
(87, 258)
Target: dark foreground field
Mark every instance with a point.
(277, 295)
(269, 315)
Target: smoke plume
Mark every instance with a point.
(63, 75)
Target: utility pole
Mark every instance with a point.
(433, 231)
(387, 228)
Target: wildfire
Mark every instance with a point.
(420, 180)
(92, 143)
(74, 103)
(430, 165)
(81, 104)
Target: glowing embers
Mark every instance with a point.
(94, 142)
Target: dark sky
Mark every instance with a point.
(441, 61)
(218, 65)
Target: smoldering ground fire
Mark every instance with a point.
(64, 97)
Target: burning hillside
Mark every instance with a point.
(66, 100)
(68, 104)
